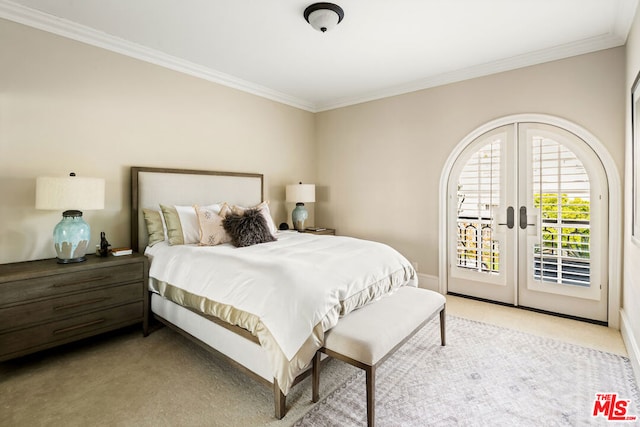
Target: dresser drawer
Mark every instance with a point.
(23, 341)
(69, 305)
(58, 284)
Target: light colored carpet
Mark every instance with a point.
(485, 376)
(123, 379)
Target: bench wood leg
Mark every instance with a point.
(442, 327)
(315, 379)
(371, 396)
(280, 400)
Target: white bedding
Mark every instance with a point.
(287, 292)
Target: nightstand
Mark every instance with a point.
(324, 231)
(44, 304)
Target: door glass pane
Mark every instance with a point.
(478, 195)
(561, 193)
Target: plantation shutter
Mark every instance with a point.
(561, 192)
(478, 196)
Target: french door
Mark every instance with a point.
(527, 208)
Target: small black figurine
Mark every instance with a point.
(104, 245)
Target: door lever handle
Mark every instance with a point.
(523, 217)
(510, 218)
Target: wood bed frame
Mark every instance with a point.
(151, 186)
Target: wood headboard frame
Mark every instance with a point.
(152, 186)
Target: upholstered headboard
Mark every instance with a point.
(152, 186)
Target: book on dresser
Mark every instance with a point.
(320, 230)
(121, 251)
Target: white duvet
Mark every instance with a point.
(286, 288)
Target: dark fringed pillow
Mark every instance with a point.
(248, 228)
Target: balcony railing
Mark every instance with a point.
(562, 257)
(476, 248)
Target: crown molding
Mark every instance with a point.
(65, 28)
(589, 45)
(615, 37)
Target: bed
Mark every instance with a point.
(264, 306)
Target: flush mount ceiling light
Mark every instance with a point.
(323, 16)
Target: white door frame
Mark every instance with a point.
(613, 186)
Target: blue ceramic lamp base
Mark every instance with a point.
(71, 238)
(299, 216)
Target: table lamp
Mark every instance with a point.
(72, 194)
(300, 194)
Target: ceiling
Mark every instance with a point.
(381, 48)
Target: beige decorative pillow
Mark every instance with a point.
(182, 223)
(212, 232)
(263, 208)
(155, 226)
(224, 210)
(174, 228)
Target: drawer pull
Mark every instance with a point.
(78, 304)
(94, 279)
(83, 325)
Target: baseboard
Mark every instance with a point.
(631, 344)
(428, 281)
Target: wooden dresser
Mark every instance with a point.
(44, 304)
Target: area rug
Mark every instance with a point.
(487, 376)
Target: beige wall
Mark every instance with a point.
(380, 162)
(631, 279)
(66, 106)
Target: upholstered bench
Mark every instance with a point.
(367, 336)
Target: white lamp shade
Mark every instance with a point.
(71, 192)
(301, 193)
